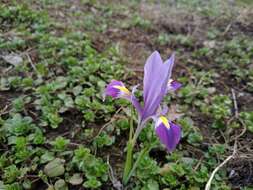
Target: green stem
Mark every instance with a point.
(131, 124)
(142, 153)
(128, 170)
(130, 146)
(129, 160)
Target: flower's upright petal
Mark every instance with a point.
(168, 132)
(156, 75)
(162, 110)
(116, 89)
(173, 85)
(135, 102)
(170, 63)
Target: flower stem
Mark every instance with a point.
(129, 160)
(131, 124)
(130, 146)
(142, 153)
(129, 167)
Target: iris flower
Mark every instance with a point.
(157, 83)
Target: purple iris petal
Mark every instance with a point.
(156, 75)
(173, 85)
(170, 63)
(176, 131)
(169, 136)
(116, 89)
(112, 91)
(162, 110)
(135, 102)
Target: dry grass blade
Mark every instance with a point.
(208, 185)
(116, 183)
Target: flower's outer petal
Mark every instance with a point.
(156, 75)
(168, 133)
(116, 89)
(176, 131)
(173, 85)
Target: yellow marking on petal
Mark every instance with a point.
(122, 89)
(165, 121)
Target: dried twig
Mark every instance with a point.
(108, 123)
(208, 185)
(235, 103)
(4, 110)
(199, 163)
(69, 144)
(116, 183)
(236, 117)
(31, 62)
(244, 130)
(231, 24)
(227, 29)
